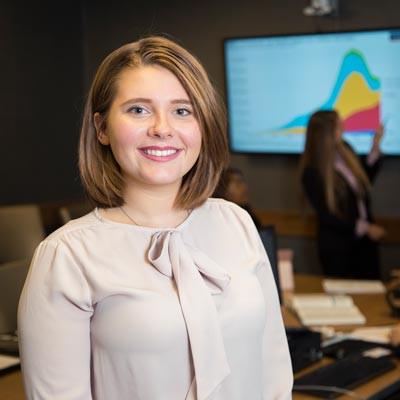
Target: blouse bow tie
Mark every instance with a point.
(197, 278)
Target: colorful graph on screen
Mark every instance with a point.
(356, 96)
(275, 83)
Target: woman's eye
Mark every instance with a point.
(183, 112)
(137, 110)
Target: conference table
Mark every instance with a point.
(377, 312)
(373, 306)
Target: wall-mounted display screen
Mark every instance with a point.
(275, 83)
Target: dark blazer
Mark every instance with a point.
(342, 253)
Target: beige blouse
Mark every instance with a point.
(112, 311)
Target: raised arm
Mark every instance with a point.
(372, 162)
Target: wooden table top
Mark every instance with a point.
(377, 313)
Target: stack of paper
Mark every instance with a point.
(8, 361)
(324, 309)
(353, 286)
(379, 334)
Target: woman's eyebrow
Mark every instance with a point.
(138, 100)
(181, 101)
(146, 100)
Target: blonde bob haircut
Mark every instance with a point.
(100, 173)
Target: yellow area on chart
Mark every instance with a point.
(356, 95)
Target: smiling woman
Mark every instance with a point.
(160, 293)
(145, 57)
(153, 132)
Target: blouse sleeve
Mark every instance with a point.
(372, 165)
(54, 326)
(371, 162)
(277, 366)
(278, 375)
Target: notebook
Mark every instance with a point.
(8, 362)
(324, 309)
(353, 286)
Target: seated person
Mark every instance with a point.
(233, 187)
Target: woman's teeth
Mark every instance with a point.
(160, 153)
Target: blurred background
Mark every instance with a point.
(50, 50)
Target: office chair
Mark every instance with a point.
(12, 279)
(21, 230)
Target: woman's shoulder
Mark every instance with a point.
(221, 208)
(221, 220)
(214, 203)
(74, 227)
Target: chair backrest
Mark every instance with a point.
(268, 237)
(12, 279)
(73, 211)
(21, 230)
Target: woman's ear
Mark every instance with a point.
(101, 133)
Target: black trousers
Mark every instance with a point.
(359, 259)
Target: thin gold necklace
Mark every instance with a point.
(128, 216)
(135, 223)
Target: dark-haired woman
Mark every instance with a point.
(337, 184)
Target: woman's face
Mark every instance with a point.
(151, 128)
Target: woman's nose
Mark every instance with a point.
(160, 127)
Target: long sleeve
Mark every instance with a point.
(278, 377)
(372, 167)
(277, 367)
(54, 327)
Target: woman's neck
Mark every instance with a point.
(148, 208)
(152, 208)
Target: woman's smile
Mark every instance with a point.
(160, 154)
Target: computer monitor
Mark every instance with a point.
(268, 238)
(275, 83)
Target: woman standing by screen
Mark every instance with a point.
(160, 293)
(337, 184)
